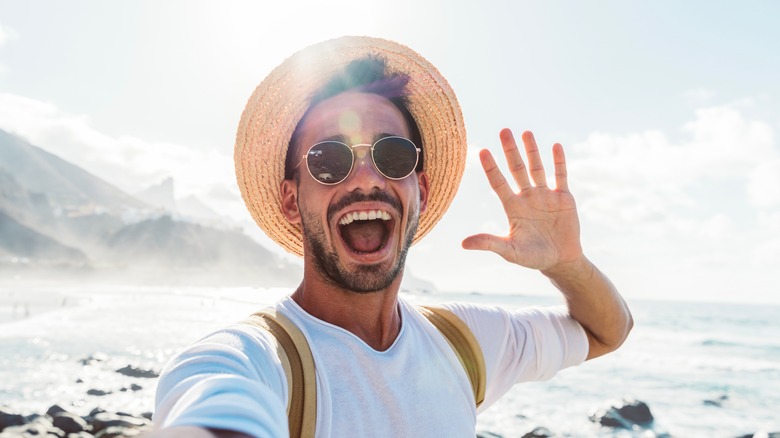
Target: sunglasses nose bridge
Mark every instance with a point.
(360, 151)
(364, 172)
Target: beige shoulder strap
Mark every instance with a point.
(298, 363)
(465, 345)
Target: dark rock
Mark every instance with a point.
(93, 359)
(761, 434)
(539, 432)
(80, 435)
(717, 402)
(89, 417)
(487, 434)
(636, 411)
(79, 380)
(10, 420)
(54, 410)
(626, 415)
(118, 431)
(69, 423)
(132, 371)
(147, 415)
(105, 420)
(38, 427)
(55, 432)
(133, 387)
(97, 392)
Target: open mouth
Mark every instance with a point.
(367, 231)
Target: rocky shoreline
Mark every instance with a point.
(632, 416)
(58, 422)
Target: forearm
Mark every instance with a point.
(595, 303)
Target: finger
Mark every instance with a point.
(494, 176)
(536, 169)
(489, 242)
(514, 159)
(484, 242)
(561, 175)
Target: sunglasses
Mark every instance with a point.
(330, 162)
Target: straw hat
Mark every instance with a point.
(281, 99)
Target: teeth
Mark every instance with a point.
(364, 216)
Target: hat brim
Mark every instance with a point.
(280, 101)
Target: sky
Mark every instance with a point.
(669, 113)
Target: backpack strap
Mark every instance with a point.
(294, 353)
(298, 363)
(465, 345)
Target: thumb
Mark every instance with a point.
(485, 242)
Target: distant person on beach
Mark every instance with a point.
(349, 152)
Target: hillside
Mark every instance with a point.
(56, 215)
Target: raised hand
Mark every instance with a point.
(544, 231)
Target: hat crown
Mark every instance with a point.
(282, 98)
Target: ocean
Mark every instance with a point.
(704, 369)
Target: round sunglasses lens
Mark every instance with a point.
(329, 162)
(395, 157)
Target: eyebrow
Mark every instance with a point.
(338, 137)
(383, 135)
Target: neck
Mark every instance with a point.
(373, 317)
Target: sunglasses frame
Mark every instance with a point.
(352, 164)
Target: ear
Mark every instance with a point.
(422, 183)
(288, 191)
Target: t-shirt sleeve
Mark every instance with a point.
(524, 345)
(231, 379)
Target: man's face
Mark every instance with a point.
(361, 255)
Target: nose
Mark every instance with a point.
(364, 176)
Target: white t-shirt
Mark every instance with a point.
(232, 379)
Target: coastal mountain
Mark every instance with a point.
(55, 215)
(67, 187)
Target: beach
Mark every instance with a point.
(703, 369)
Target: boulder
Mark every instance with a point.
(761, 434)
(630, 414)
(107, 420)
(80, 435)
(132, 371)
(39, 427)
(717, 402)
(54, 410)
(97, 392)
(117, 432)
(539, 432)
(488, 434)
(10, 420)
(69, 423)
(93, 359)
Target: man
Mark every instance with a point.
(348, 153)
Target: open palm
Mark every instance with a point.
(544, 230)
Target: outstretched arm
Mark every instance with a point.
(544, 234)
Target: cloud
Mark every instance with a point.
(701, 203)
(7, 34)
(637, 176)
(128, 162)
(764, 184)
